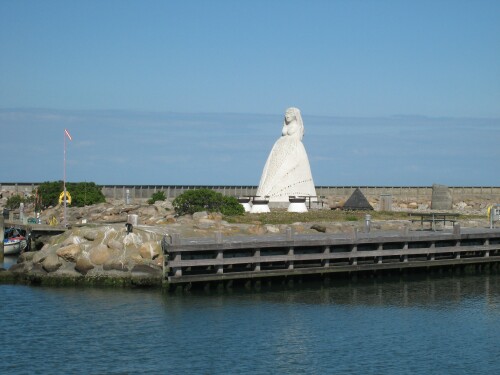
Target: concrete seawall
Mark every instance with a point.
(172, 191)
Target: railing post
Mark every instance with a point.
(379, 248)
(256, 254)
(176, 240)
(457, 244)
(405, 256)
(354, 260)
(220, 258)
(326, 262)
(290, 262)
(432, 256)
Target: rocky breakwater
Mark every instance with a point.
(93, 255)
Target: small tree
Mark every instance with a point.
(82, 193)
(198, 200)
(14, 201)
(158, 196)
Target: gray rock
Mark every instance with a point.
(83, 265)
(51, 263)
(115, 244)
(115, 266)
(18, 268)
(37, 269)
(200, 215)
(26, 257)
(69, 253)
(42, 254)
(142, 268)
(91, 235)
(319, 228)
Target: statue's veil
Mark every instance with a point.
(298, 117)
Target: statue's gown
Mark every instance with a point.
(287, 171)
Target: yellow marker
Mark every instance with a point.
(68, 197)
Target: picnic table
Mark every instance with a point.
(433, 218)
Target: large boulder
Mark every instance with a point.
(51, 263)
(69, 253)
(114, 265)
(100, 254)
(90, 235)
(71, 240)
(150, 250)
(42, 254)
(26, 257)
(83, 265)
(200, 215)
(115, 244)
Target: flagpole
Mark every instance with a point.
(64, 181)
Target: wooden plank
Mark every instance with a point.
(332, 269)
(323, 240)
(329, 256)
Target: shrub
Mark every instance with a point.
(82, 193)
(14, 201)
(158, 196)
(198, 200)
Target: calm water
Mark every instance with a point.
(426, 325)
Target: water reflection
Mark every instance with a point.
(370, 326)
(422, 290)
(8, 261)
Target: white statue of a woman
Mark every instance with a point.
(287, 171)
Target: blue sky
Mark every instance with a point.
(193, 92)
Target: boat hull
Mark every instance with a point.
(13, 247)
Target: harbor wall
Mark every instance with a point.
(171, 191)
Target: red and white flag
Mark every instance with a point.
(67, 134)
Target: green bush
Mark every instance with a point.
(14, 202)
(198, 200)
(82, 193)
(158, 196)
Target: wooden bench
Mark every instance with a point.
(433, 218)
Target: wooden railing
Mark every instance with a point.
(203, 260)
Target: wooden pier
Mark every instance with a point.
(254, 257)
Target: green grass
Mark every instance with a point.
(284, 217)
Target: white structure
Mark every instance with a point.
(260, 206)
(297, 205)
(287, 171)
(245, 202)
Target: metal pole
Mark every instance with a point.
(64, 182)
(2, 229)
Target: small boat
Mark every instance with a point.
(14, 241)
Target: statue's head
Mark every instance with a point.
(293, 125)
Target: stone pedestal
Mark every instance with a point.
(260, 206)
(297, 204)
(245, 202)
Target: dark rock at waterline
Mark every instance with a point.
(18, 268)
(51, 263)
(38, 269)
(115, 266)
(83, 265)
(26, 257)
(143, 268)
